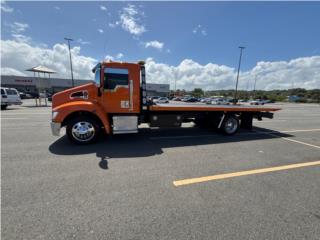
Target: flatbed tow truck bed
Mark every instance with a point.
(226, 117)
(210, 108)
(114, 107)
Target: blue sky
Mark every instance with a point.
(271, 31)
(170, 32)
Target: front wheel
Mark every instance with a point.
(83, 130)
(230, 125)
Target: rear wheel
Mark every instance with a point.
(4, 107)
(83, 130)
(230, 125)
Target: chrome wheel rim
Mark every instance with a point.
(83, 131)
(231, 125)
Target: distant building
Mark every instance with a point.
(154, 89)
(32, 84)
(53, 85)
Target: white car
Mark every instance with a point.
(162, 100)
(9, 96)
(220, 101)
(258, 102)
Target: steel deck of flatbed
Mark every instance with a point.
(210, 108)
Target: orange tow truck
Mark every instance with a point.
(116, 103)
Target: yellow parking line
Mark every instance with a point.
(291, 140)
(243, 173)
(302, 130)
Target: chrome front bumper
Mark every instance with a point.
(55, 128)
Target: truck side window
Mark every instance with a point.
(97, 77)
(114, 77)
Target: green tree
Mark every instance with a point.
(197, 92)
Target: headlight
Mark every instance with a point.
(54, 115)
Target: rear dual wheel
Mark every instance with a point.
(230, 125)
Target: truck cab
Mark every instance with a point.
(111, 103)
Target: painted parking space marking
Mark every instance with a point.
(11, 118)
(244, 133)
(305, 130)
(27, 113)
(243, 173)
(267, 121)
(290, 140)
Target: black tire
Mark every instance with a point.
(230, 125)
(4, 107)
(89, 132)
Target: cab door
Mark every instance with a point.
(121, 88)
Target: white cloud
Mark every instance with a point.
(109, 57)
(100, 30)
(5, 7)
(130, 20)
(112, 58)
(19, 56)
(21, 38)
(154, 44)
(57, 8)
(119, 55)
(103, 8)
(11, 71)
(81, 41)
(113, 25)
(199, 29)
(16, 56)
(302, 72)
(18, 27)
(17, 30)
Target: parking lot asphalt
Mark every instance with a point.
(122, 187)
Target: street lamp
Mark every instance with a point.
(254, 86)
(69, 39)
(235, 93)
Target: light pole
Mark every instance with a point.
(69, 39)
(235, 93)
(254, 86)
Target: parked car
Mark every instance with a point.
(154, 98)
(258, 102)
(192, 99)
(162, 100)
(176, 99)
(206, 100)
(22, 95)
(9, 96)
(220, 101)
(232, 100)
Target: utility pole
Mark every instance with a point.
(175, 86)
(235, 93)
(254, 86)
(69, 39)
